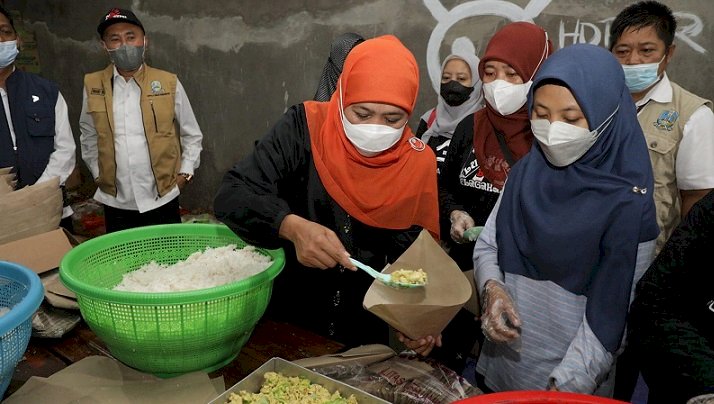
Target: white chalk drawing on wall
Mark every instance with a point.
(447, 18)
(686, 32)
(690, 26)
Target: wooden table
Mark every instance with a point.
(45, 356)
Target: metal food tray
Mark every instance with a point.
(255, 380)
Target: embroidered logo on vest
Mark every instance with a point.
(417, 144)
(155, 86)
(666, 120)
(97, 91)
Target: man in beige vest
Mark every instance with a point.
(678, 125)
(139, 136)
(678, 128)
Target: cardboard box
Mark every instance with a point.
(41, 253)
(254, 381)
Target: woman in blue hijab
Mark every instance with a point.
(573, 231)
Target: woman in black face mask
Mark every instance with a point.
(459, 96)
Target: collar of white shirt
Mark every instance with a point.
(661, 92)
(117, 75)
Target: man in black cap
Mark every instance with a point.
(35, 135)
(139, 135)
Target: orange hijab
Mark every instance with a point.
(395, 189)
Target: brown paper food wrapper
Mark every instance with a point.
(97, 379)
(362, 355)
(36, 209)
(7, 182)
(419, 312)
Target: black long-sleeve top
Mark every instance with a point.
(462, 187)
(280, 178)
(672, 315)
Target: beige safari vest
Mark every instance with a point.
(158, 91)
(663, 126)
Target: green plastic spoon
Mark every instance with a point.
(473, 233)
(385, 278)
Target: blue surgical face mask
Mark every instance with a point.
(640, 77)
(8, 53)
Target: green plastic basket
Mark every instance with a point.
(166, 334)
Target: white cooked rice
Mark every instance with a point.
(201, 270)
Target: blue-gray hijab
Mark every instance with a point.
(579, 225)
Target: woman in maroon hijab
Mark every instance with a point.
(483, 148)
(488, 142)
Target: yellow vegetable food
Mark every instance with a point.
(281, 389)
(409, 276)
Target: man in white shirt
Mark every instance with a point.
(35, 135)
(139, 135)
(678, 125)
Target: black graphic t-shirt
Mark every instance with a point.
(471, 175)
(440, 146)
(462, 186)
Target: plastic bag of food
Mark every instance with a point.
(406, 378)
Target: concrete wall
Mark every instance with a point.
(244, 62)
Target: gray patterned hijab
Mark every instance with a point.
(447, 117)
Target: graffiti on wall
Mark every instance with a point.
(689, 27)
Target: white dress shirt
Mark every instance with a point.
(135, 182)
(62, 159)
(694, 162)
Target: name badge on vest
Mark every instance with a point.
(666, 120)
(96, 91)
(156, 87)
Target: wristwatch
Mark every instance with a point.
(187, 176)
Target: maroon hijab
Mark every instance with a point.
(520, 45)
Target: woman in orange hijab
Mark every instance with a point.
(337, 179)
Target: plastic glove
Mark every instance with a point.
(499, 321)
(460, 221)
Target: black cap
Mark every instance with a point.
(117, 15)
